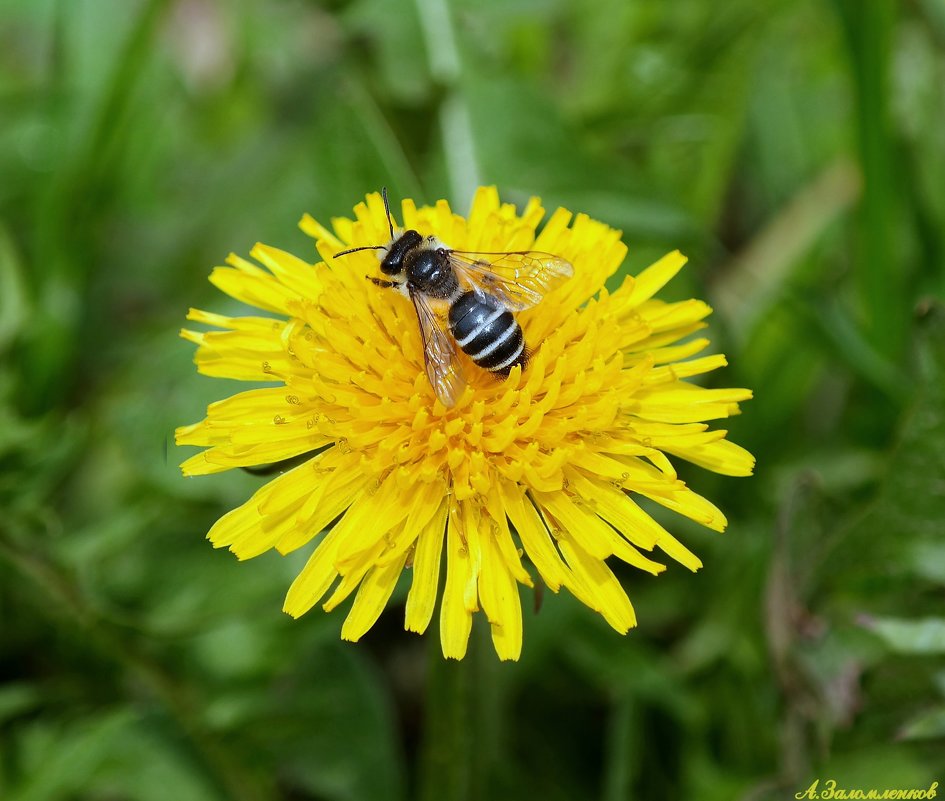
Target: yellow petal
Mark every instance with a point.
(200, 465)
(258, 524)
(673, 372)
(329, 495)
(669, 354)
(719, 456)
(455, 617)
(686, 403)
(470, 517)
(427, 499)
(315, 579)
(693, 506)
(598, 587)
(317, 231)
(597, 538)
(534, 536)
(377, 512)
(372, 597)
(631, 521)
(498, 592)
(350, 579)
(298, 276)
(426, 571)
(503, 537)
(260, 290)
(655, 277)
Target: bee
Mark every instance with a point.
(465, 300)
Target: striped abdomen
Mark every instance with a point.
(487, 332)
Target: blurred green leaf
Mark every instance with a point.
(398, 44)
(917, 637)
(879, 541)
(331, 728)
(16, 699)
(14, 305)
(928, 724)
(886, 765)
(109, 754)
(928, 561)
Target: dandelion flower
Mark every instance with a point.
(538, 476)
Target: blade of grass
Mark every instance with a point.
(852, 348)
(70, 205)
(757, 275)
(384, 139)
(456, 132)
(869, 30)
(623, 746)
(14, 305)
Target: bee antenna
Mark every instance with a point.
(355, 250)
(390, 222)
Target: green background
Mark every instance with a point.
(794, 149)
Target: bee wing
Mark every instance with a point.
(520, 279)
(439, 353)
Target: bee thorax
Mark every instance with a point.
(429, 271)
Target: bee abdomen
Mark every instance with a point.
(488, 333)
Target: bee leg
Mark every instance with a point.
(379, 282)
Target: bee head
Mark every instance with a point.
(393, 261)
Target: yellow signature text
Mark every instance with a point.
(832, 791)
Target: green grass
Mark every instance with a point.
(792, 149)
